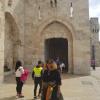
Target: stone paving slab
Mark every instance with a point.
(75, 88)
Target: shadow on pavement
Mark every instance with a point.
(9, 98)
(13, 98)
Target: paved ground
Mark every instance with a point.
(73, 87)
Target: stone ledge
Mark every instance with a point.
(8, 73)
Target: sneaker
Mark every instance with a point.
(17, 96)
(39, 95)
(35, 97)
(21, 96)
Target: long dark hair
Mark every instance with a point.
(18, 64)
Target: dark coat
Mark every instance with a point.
(51, 77)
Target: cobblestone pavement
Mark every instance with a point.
(73, 87)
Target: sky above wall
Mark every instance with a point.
(94, 10)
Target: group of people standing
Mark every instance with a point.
(47, 76)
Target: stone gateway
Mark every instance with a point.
(42, 29)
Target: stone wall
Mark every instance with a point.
(12, 42)
(32, 18)
(1, 40)
(15, 13)
(97, 53)
(94, 27)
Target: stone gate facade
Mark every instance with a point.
(29, 23)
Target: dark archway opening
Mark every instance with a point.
(57, 47)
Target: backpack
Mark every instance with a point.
(24, 76)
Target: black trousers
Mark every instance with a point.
(37, 81)
(19, 85)
(44, 91)
(54, 95)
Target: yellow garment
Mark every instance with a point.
(37, 71)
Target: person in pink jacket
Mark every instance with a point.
(19, 70)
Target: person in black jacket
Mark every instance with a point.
(51, 77)
(45, 80)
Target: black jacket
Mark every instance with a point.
(52, 76)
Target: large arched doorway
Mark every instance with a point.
(57, 47)
(58, 35)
